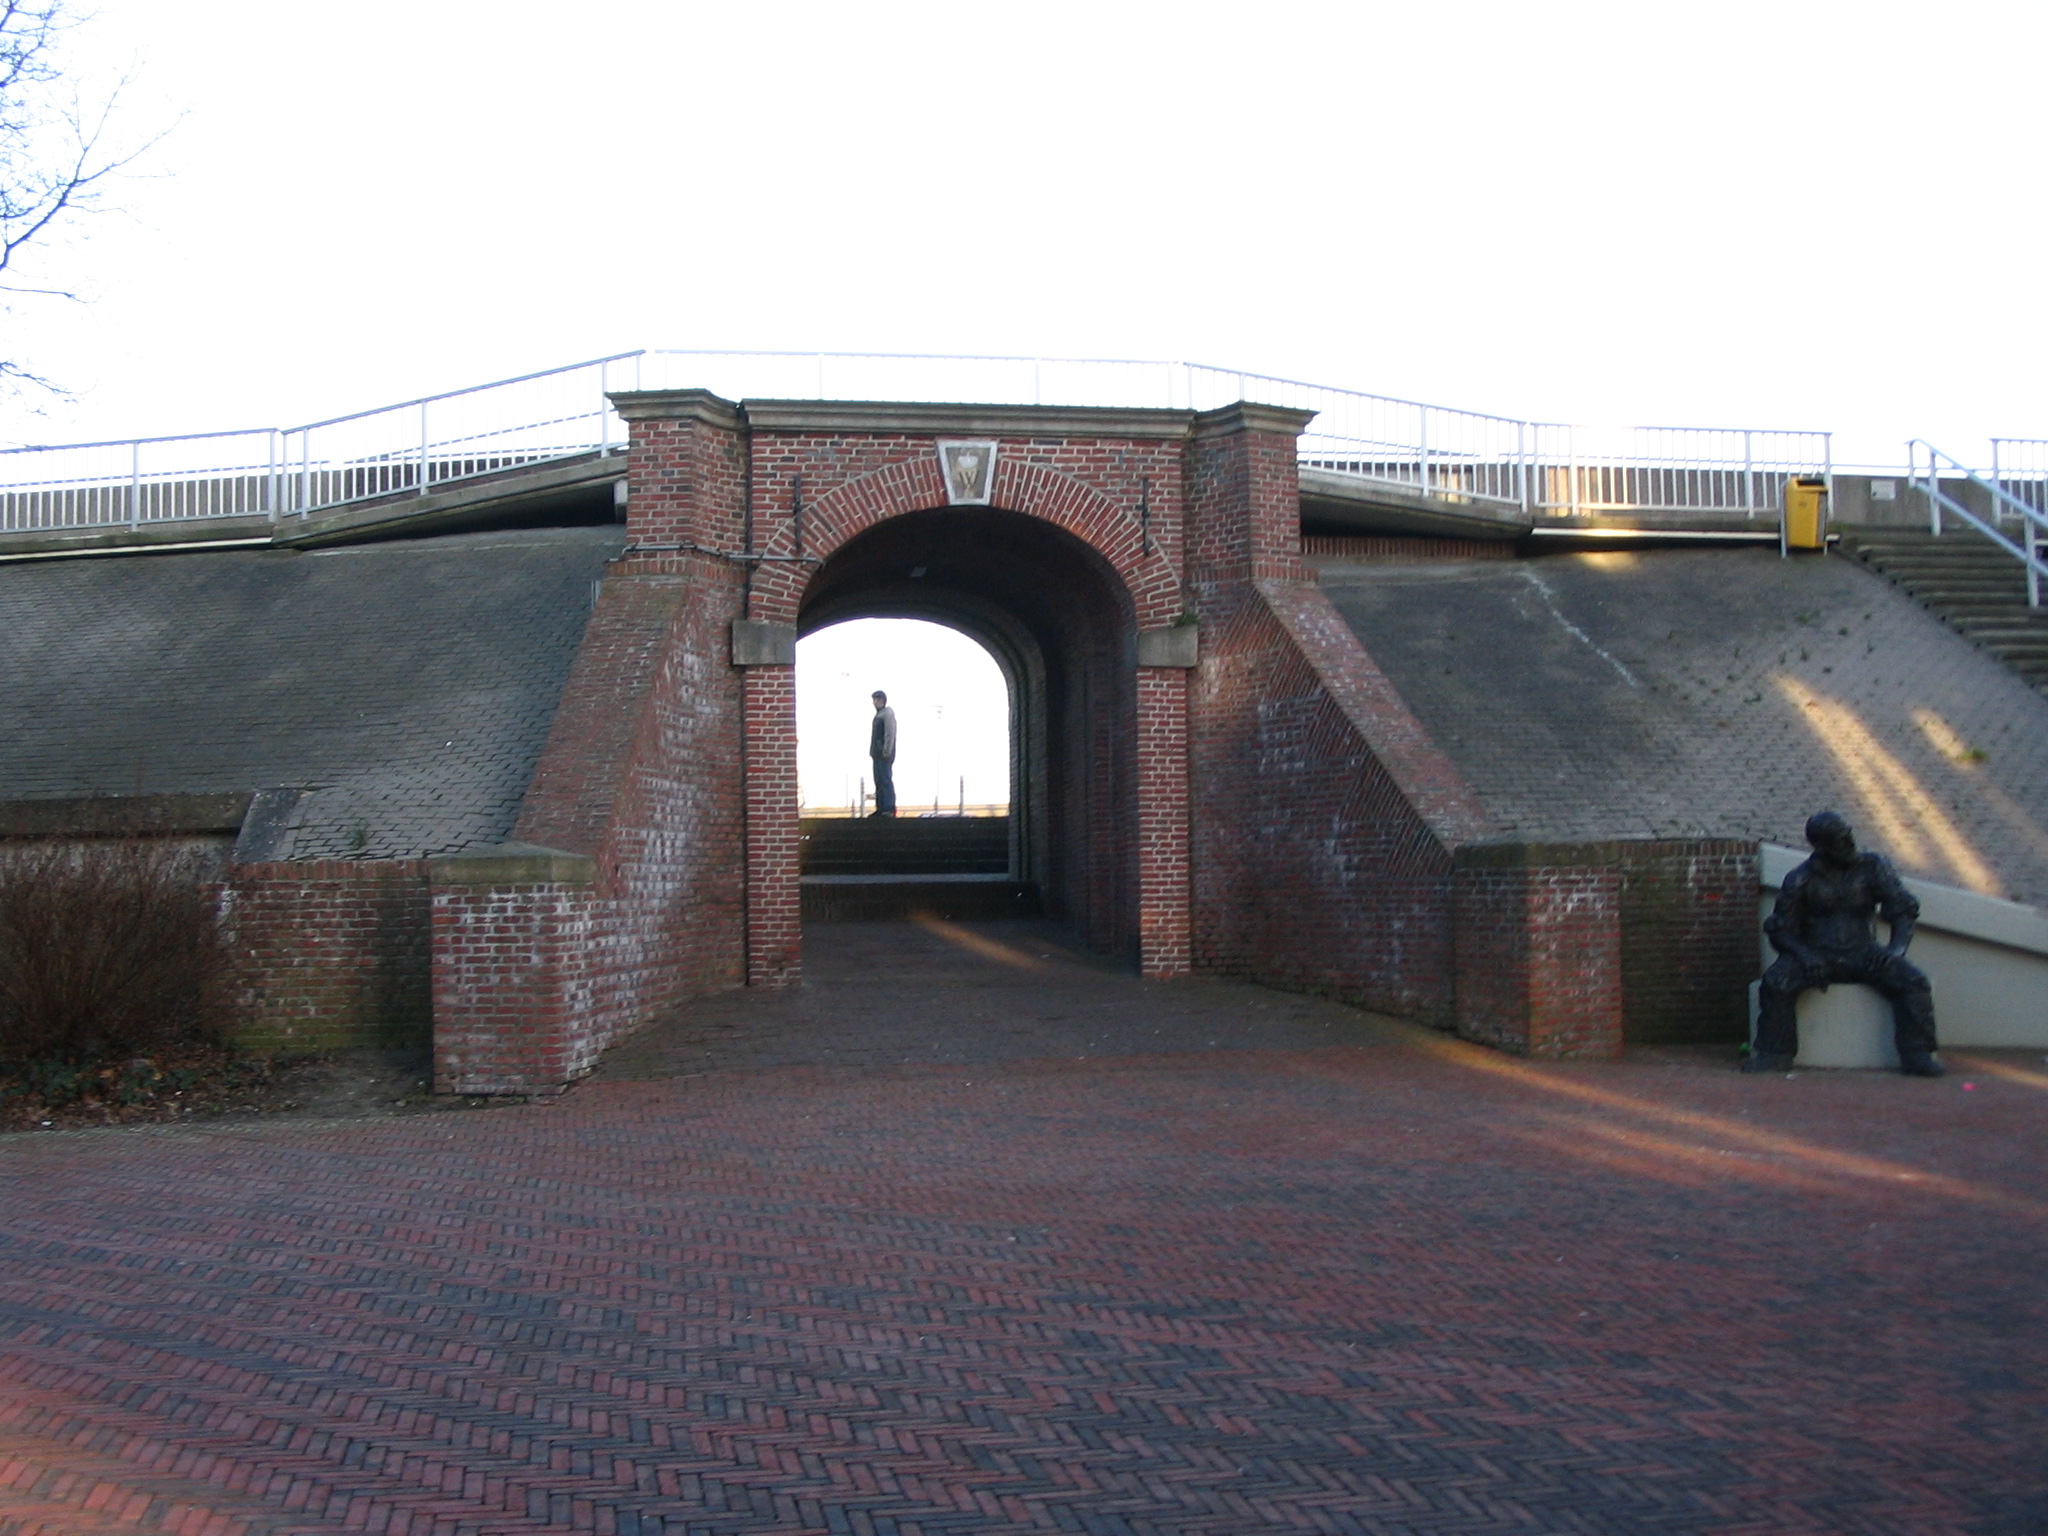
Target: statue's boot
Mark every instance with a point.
(1913, 1031)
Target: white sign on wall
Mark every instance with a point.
(970, 472)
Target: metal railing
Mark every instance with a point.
(410, 449)
(1536, 469)
(2019, 467)
(1541, 469)
(2030, 548)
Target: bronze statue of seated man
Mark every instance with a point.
(1821, 928)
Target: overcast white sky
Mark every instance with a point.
(1772, 214)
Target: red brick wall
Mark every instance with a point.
(1396, 549)
(643, 772)
(1092, 488)
(328, 954)
(1165, 939)
(1279, 814)
(1538, 949)
(1322, 815)
(1688, 939)
(774, 892)
(515, 1010)
(1312, 870)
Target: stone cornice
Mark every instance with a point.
(922, 419)
(1251, 416)
(124, 815)
(678, 405)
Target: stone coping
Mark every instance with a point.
(512, 864)
(123, 815)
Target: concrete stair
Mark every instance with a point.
(886, 868)
(1971, 584)
(906, 845)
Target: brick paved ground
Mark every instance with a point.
(1251, 1263)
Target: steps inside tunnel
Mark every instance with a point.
(884, 868)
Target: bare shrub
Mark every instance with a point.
(107, 950)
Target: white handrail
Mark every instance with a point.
(2033, 525)
(415, 447)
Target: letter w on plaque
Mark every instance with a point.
(970, 471)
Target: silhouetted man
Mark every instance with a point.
(1821, 928)
(882, 752)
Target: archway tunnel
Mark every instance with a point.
(1057, 622)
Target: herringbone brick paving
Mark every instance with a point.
(1324, 1274)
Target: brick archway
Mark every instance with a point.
(1136, 549)
(819, 484)
(1286, 819)
(1059, 619)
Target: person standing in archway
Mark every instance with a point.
(882, 752)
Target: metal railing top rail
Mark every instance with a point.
(2033, 523)
(457, 394)
(425, 442)
(142, 442)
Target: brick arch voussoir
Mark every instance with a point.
(914, 485)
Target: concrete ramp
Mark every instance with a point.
(1719, 693)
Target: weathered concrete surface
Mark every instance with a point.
(408, 686)
(1100, 1256)
(1722, 693)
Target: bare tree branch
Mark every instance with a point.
(55, 154)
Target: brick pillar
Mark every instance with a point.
(511, 956)
(687, 475)
(1538, 948)
(774, 891)
(1244, 500)
(1163, 938)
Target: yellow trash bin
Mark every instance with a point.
(1806, 512)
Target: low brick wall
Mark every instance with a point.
(329, 954)
(1539, 948)
(1688, 940)
(1338, 851)
(1312, 869)
(512, 970)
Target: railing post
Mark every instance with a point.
(1571, 442)
(424, 440)
(1522, 469)
(1827, 474)
(1748, 476)
(135, 485)
(270, 486)
(1422, 432)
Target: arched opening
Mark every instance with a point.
(953, 702)
(1057, 623)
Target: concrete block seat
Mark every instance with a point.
(1849, 1026)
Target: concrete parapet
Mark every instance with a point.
(511, 864)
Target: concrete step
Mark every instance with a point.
(906, 845)
(1973, 586)
(886, 898)
(1968, 602)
